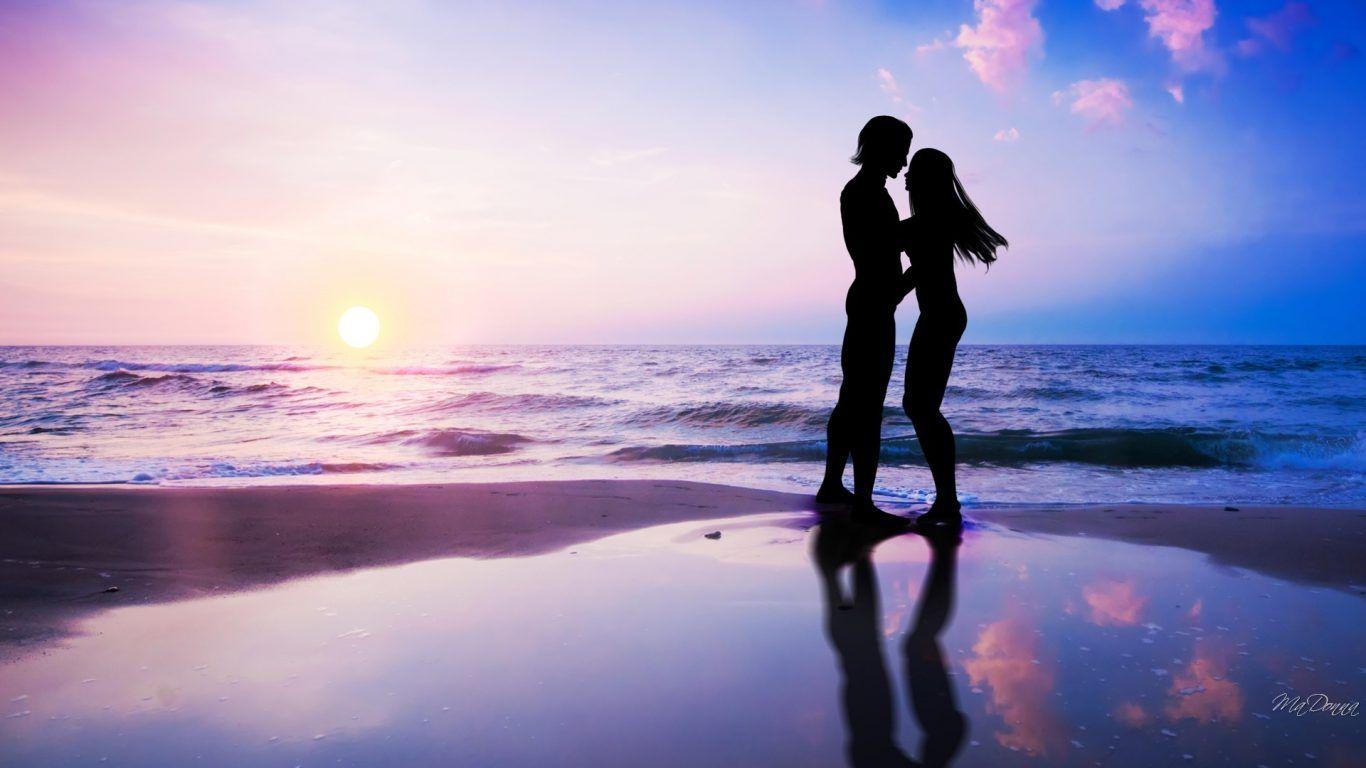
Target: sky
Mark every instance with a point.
(1167, 171)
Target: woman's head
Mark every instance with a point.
(883, 145)
(937, 193)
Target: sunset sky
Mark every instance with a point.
(225, 172)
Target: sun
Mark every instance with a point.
(359, 327)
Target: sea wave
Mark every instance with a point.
(732, 415)
(125, 365)
(445, 370)
(122, 380)
(291, 364)
(225, 470)
(450, 441)
(261, 388)
(52, 430)
(128, 379)
(1347, 454)
(25, 363)
(1107, 447)
(1049, 392)
(525, 402)
(130, 366)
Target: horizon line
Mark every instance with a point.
(692, 344)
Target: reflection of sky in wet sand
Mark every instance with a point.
(1005, 661)
(660, 647)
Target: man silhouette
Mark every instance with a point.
(872, 234)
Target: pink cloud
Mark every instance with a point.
(1008, 135)
(1181, 26)
(937, 44)
(887, 82)
(1178, 93)
(1278, 29)
(998, 48)
(1102, 101)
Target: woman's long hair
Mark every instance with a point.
(936, 191)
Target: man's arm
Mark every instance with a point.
(905, 232)
(907, 283)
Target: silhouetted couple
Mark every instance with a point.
(943, 223)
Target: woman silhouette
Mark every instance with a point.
(943, 222)
(873, 237)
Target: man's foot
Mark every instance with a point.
(947, 516)
(834, 494)
(866, 514)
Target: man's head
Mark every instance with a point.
(883, 145)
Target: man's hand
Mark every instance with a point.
(907, 284)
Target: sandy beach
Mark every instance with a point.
(66, 546)
(71, 550)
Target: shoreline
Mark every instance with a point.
(1317, 546)
(66, 546)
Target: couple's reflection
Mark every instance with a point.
(854, 626)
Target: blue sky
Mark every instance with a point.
(179, 172)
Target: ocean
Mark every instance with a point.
(1034, 424)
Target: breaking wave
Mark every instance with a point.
(453, 442)
(122, 380)
(123, 365)
(227, 470)
(733, 415)
(492, 401)
(1106, 447)
(444, 370)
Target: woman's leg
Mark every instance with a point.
(927, 376)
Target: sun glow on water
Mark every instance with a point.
(359, 327)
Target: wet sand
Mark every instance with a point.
(779, 643)
(67, 551)
(64, 548)
(1311, 545)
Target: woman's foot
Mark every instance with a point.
(943, 539)
(948, 515)
(834, 494)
